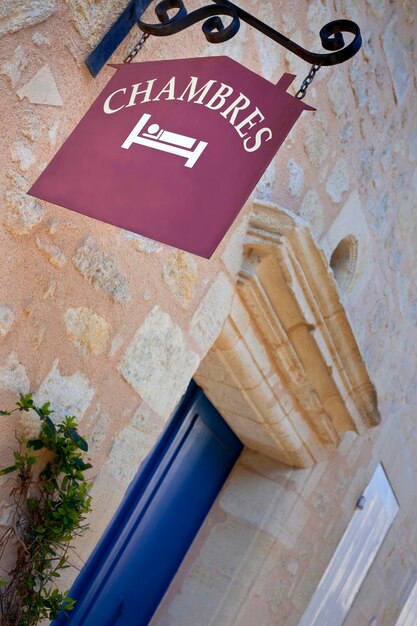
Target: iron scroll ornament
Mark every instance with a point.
(215, 31)
(331, 35)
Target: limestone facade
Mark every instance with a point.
(111, 326)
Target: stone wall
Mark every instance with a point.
(351, 173)
(96, 320)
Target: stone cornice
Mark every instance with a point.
(286, 371)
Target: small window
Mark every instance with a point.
(354, 555)
(343, 261)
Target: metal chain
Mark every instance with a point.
(307, 82)
(137, 48)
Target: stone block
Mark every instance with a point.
(102, 270)
(397, 60)
(196, 603)
(353, 10)
(55, 292)
(261, 439)
(22, 213)
(410, 10)
(232, 256)
(296, 66)
(243, 600)
(212, 369)
(226, 546)
(228, 399)
(377, 7)
(41, 89)
(246, 371)
(308, 583)
(294, 526)
(338, 89)
(338, 182)
(359, 81)
(351, 221)
(13, 375)
(14, 68)
(116, 344)
(295, 178)
(7, 510)
(280, 511)
(56, 225)
(412, 144)
(212, 311)
(230, 335)
(248, 496)
(87, 329)
(380, 210)
(53, 253)
(318, 13)
(130, 448)
(33, 125)
(92, 18)
(97, 436)
(265, 186)
(142, 244)
(316, 142)
(312, 211)
(40, 40)
(30, 424)
(7, 318)
(22, 154)
(17, 14)
(180, 274)
(157, 363)
(106, 494)
(53, 133)
(272, 469)
(258, 349)
(68, 395)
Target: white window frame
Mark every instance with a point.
(354, 555)
(408, 615)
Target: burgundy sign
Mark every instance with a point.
(172, 149)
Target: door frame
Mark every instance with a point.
(93, 576)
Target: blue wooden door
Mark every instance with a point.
(134, 563)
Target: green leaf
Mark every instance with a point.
(5, 413)
(81, 465)
(8, 470)
(35, 444)
(3, 583)
(77, 439)
(49, 427)
(25, 403)
(45, 409)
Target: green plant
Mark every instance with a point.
(50, 495)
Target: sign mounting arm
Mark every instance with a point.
(215, 31)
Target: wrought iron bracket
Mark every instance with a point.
(331, 35)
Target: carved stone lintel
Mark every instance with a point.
(286, 372)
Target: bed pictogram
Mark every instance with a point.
(165, 140)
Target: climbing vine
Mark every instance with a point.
(50, 496)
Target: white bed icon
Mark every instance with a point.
(164, 140)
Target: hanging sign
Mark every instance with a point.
(172, 149)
